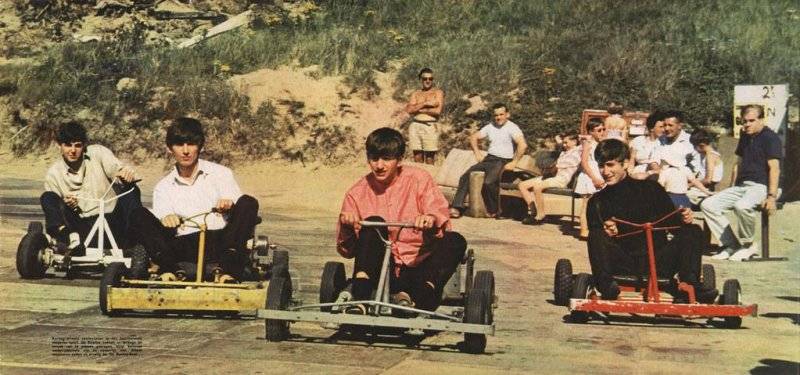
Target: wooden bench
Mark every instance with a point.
(559, 201)
(530, 167)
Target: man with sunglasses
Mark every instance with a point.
(424, 106)
(754, 183)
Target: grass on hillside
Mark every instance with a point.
(548, 59)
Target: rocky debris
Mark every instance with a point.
(126, 84)
(28, 28)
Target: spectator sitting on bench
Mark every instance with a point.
(705, 159)
(675, 177)
(639, 201)
(755, 182)
(567, 164)
(506, 146)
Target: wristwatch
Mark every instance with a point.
(770, 195)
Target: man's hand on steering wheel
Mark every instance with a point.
(171, 221)
(350, 219)
(610, 227)
(423, 222)
(223, 205)
(687, 215)
(126, 175)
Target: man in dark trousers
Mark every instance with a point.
(639, 201)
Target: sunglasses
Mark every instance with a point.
(427, 78)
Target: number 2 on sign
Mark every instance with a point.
(769, 91)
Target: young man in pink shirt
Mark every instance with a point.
(423, 257)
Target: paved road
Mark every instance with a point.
(532, 336)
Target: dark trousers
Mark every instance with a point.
(437, 268)
(226, 246)
(57, 214)
(682, 254)
(491, 166)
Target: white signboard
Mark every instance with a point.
(773, 97)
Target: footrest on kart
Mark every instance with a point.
(661, 308)
(192, 299)
(639, 282)
(377, 321)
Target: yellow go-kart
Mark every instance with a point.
(216, 293)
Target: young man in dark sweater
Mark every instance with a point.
(639, 201)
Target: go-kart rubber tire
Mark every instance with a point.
(709, 276)
(332, 283)
(476, 311)
(731, 291)
(562, 282)
(280, 263)
(29, 260)
(111, 278)
(140, 262)
(279, 293)
(484, 280)
(581, 288)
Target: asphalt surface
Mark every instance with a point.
(37, 317)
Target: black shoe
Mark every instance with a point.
(610, 292)
(704, 295)
(531, 220)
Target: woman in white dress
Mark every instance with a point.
(590, 180)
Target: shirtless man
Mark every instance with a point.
(424, 106)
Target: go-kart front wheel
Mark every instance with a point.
(562, 282)
(332, 283)
(476, 311)
(731, 293)
(581, 289)
(279, 293)
(140, 262)
(30, 262)
(111, 279)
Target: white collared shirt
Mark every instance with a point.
(680, 148)
(174, 195)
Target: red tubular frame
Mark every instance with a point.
(652, 304)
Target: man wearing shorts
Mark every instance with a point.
(424, 106)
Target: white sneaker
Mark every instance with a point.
(744, 253)
(723, 254)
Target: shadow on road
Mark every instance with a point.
(775, 367)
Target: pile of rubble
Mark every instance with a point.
(28, 27)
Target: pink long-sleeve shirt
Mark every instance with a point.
(412, 193)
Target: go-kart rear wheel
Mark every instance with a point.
(30, 262)
(111, 279)
(140, 262)
(709, 277)
(484, 280)
(581, 288)
(562, 282)
(731, 293)
(476, 311)
(332, 283)
(280, 263)
(279, 293)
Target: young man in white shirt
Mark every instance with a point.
(192, 187)
(506, 146)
